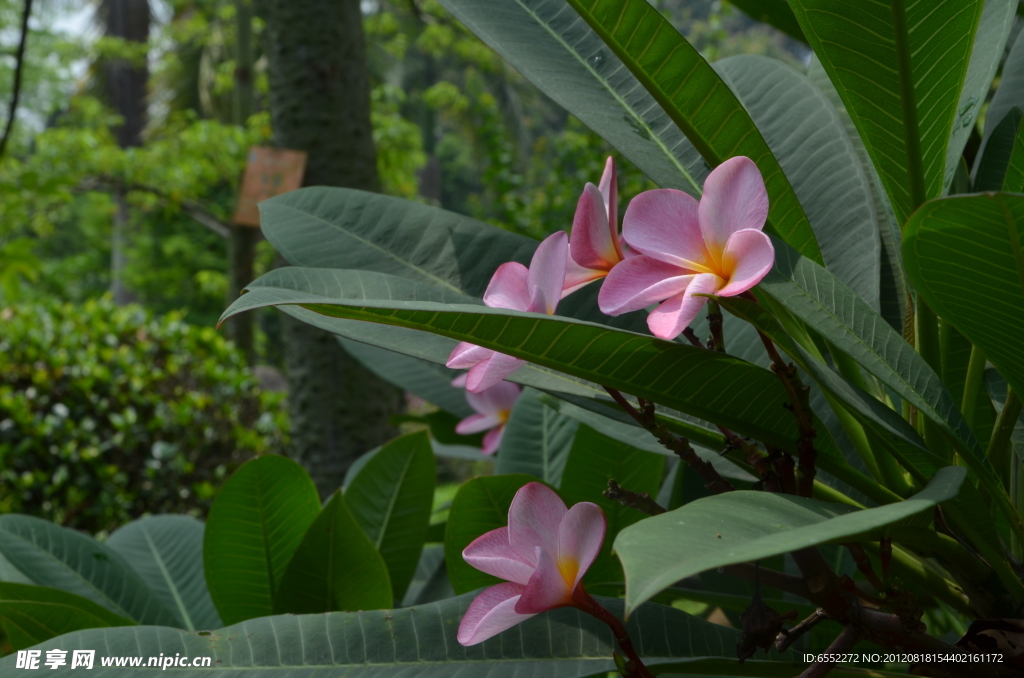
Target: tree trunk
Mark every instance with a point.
(124, 85)
(320, 103)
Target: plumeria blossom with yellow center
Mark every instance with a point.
(689, 249)
(542, 555)
(536, 289)
(493, 407)
(594, 244)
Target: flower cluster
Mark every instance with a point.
(673, 252)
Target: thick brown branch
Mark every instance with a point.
(860, 557)
(679, 446)
(641, 501)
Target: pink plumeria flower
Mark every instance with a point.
(542, 554)
(536, 290)
(493, 406)
(689, 249)
(594, 246)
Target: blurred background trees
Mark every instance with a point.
(122, 170)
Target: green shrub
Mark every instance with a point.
(107, 413)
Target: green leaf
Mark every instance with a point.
(536, 441)
(808, 137)
(430, 582)
(481, 505)
(964, 257)
(65, 559)
(989, 46)
(990, 169)
(697, 100)
(34, 614)
(336, 567)
(641, 365)
(775, 13)
(835, 312)
(1014, 180)
(560, 54)
(594, 460)
(423, 379)
(167, 552)
(917, 54)
(391, 498)
(255, 524)
(421, 641)
(1010, 93)
(740, 527)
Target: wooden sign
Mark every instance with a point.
(268, 172)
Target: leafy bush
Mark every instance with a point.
(107, 413)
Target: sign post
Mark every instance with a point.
(268, 172)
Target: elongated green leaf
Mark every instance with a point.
(427, 380)
(430, 583)
(61, 558)
(994, 29)
(335, 567)
(255, 524)
(697, 100)
(420, 641)
(391, 498)
(536, 441)
(964, 257)
(997, 392)
(1013, 182)
(824, 303)
(481, 505)
(809, 139)
(594, 460)
(1010, 92)
(559, 53)
(892, 288)
(906, 110)
(167, 552)
(740, 527)
(990, 169)
(719, 388)
(775, 13)
(33, 614)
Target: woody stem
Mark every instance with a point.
(585, 602)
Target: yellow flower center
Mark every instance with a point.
(569, 568)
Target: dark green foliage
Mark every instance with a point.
(107, 413)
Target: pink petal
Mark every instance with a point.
(748, 257)
(609, 188)
(671, 318)
(492, 441)
(580, 535)
(547, 273)
(465, 355)
(489, 372)
(663, 224)
(490, 613)
(533, 520)
(491, 553)
(477, 423)
(593, 244)
(576, 276)
(509, 287)
(734, 199)
(497, 399)
(547, 588)
(639, 282)
(460, 381)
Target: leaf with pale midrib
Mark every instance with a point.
(536, 440)
(167, 552)
(419, 641)
(739, 527)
